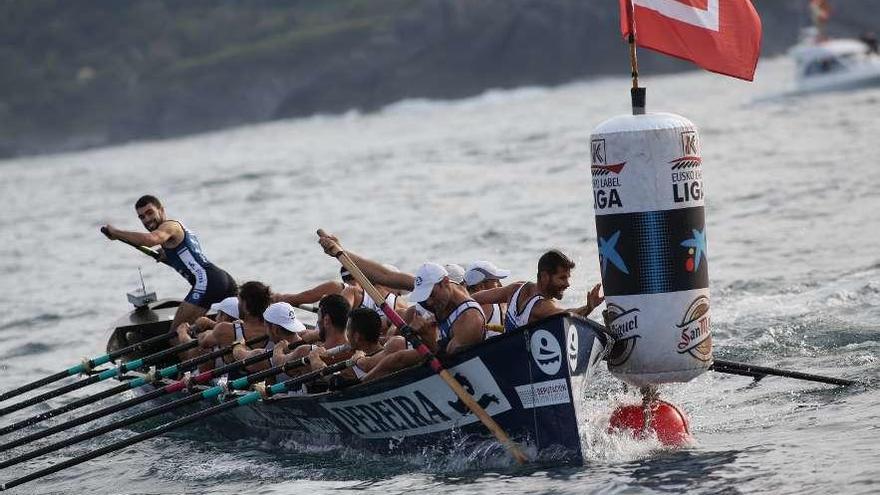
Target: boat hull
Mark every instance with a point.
(527, 380)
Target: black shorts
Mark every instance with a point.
(220, 286)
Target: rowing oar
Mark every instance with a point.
(239, 384)
(167, 372)
(750, 370)
(758, 372)
(247, 399)
(432, 360)
(86, 365)
(152, 253)
(110, 373)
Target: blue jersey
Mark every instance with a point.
(189, 260)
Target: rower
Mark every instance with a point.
(455, 273)
(528, 302)
(484, 275)
(282, 326)
(362, 332)
(224, 311)
(253, 299)
(180, 249)
(332, 316)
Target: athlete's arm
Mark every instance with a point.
(594, 299)
(312, 295)
(544, 308)
(392, 363)
(496, 296)
(222, 334)
(161, 235)
(373, 270)
(468, 330)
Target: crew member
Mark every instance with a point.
(253, 299)
(528, 302)
(282, 326)
(333, 312)
(484, 275)
(180, 249)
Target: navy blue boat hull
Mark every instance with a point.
(525, 379)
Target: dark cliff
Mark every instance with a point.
(80, 74)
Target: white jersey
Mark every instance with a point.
(514, 319)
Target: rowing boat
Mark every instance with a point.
(527, 380)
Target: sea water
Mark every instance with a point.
(792, 198)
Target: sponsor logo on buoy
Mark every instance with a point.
(605, 177)
(687, 174)
(608, 253)
(696, 250)
(695, 337)
(623, 324)
(546, 352)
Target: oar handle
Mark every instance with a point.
(152, 253)
(177, 386)
(311, 308)
(86, 365)
(433, 362)
(131, 384)
(244, 400)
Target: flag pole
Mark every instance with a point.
(637, 94)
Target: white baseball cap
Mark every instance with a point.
(479, 271)
(427, 276)
(456, 272)
(228, 306)
(281, 314)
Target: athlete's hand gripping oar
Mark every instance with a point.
(241, 383)
(110, 373)
(167, 372)
(753, 371)
(152, 253)
(248, 399)
(86, 365)
(423, 350)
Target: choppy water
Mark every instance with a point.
(792, 201)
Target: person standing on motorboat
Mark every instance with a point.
(528, 302)
(181, 250)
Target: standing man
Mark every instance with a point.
(182, 251)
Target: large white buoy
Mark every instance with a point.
(648, 200)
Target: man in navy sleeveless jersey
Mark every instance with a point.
(181, 250)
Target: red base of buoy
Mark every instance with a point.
(668, 421)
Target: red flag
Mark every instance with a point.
(722, 36)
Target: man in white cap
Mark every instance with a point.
(223, 311)
(253, 299)
(528, 302)
(484, 275)
(455, 273)
(333, 312)
(282, 326)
